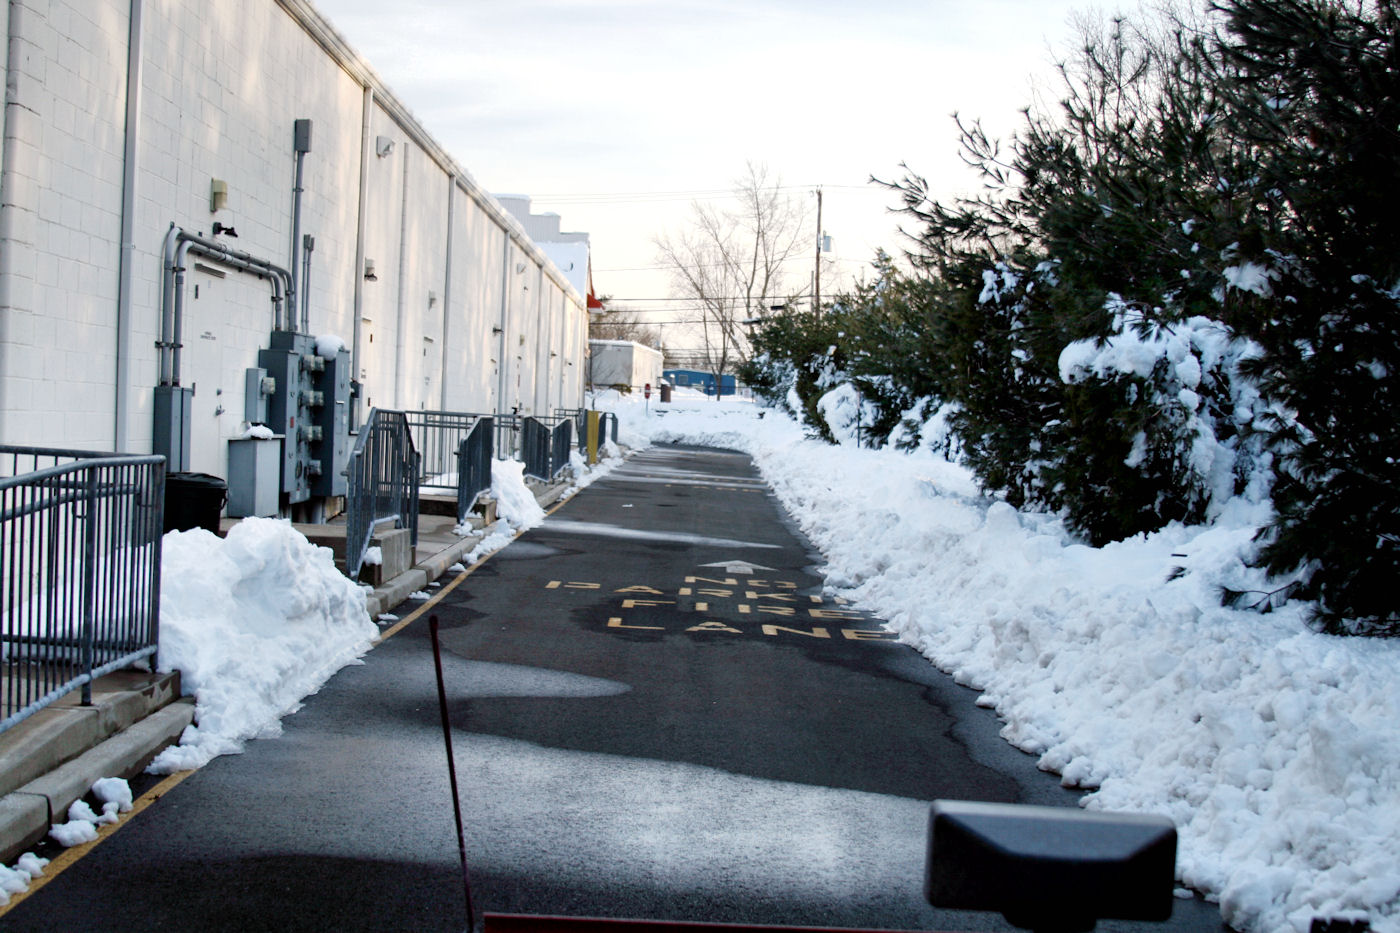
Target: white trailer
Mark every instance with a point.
(623, 365)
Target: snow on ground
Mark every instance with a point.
(255, 622)
(1276, 750)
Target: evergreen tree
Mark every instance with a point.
(1314, 92)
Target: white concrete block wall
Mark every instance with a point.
(424, 265)
(478, 282)
(63, 201)
(222, 86)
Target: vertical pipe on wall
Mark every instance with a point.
(505, 320)
(447, 292)
(541, 343)
(358, 273)
(130, 175)
(401, 325)
(18, 199)
(301, 145)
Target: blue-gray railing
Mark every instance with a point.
(80, 548)
(534, 448)
(438, 436)
(605, 419)
(580, 418)
(509, 432)
(545, 444)
(561, 443)
(382, 484)
(607, 423)
(474, 455)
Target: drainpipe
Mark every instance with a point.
(19, 195)
(130, 174)
(358, 299)
(505, 319)
(447, 292)
(401, 325)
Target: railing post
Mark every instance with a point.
(89, 526)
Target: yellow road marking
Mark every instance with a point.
(437, 597)
(68, 857)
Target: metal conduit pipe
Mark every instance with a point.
(308, 245)
(167, 301)
(447, 295)
(130, 175)
(186, 247)
(178, 245)
(358, 294)
(301, 144)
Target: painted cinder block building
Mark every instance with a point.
(127, 120)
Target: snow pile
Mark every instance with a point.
(515, 503)
(845, 411)
(1276, 750)
(115, 795)
(516, 509)
(16, 880)
(254, 622)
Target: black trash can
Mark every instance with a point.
(194, 500)
(665, 392)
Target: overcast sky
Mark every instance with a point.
(592, 107)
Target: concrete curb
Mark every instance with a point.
(27, 814)
(390, 594)
(129, 725)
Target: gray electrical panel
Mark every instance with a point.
(258, 386)
(174, 406)
(332, 452)
(253, 482)
(292, 409)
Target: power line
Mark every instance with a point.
(717, 265)
(696, 194)
(697, 307)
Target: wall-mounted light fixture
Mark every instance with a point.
(519, 268)
(218, 194)
(369, 271)
(432, 298)
(383, 145)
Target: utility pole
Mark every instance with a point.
(817, 304)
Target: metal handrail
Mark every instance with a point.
(561, 442)
(534, 448)
(474, 455)
(382, 484)
(80, 551)
(437, 436)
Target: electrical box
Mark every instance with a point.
(174, 409)
(254, 466)
(258, 386)
(301, 136)
(291, 362)
(332, 451)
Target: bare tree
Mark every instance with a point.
(729, 261)
(625, 325)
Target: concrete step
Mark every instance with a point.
(66, 729)
(53, 758)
